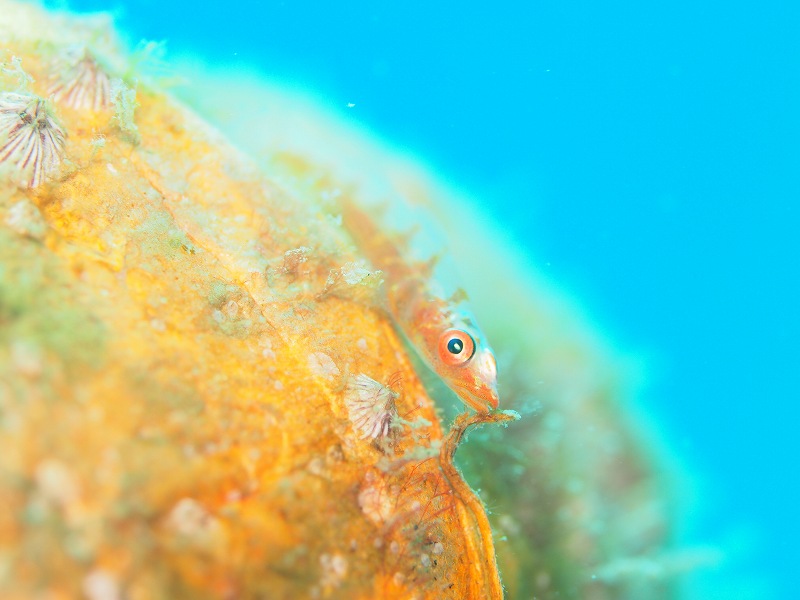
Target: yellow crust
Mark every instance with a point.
(170, 422)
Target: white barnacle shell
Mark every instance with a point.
(31, 141)
(80, 82)
(371, 406)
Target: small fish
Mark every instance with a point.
(442, 330)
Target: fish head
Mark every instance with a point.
(468, 366)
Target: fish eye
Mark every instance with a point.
(456, 347)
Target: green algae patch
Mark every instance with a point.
(40, 307)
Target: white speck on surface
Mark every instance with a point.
(334, 569)
(101, 585)
(316, 466)
(438, 548)
(394, 547)
(231, 309)
(361, 344)
(26, 357)
(322, 365)
(375, 499)
(266, 345)
(278, 384)
(354, 272)
(56, 482)
(112, 169)
(425, 560)
(295, 257)
(191, 519)
(25, 218)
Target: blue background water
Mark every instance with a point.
(644, 153)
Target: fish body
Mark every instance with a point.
(441, 329)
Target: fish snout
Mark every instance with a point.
(480, 391)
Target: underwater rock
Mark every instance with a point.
(173, 420)
(180, 330)
(581, 483)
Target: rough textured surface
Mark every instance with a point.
(579, 489)
(178, 327)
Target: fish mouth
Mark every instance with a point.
(483, 399)
(479, 389)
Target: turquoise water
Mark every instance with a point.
(644, 154)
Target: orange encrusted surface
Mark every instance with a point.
(173, 380)
(202, 394)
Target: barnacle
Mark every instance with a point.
(371, 406)
(32, 140)
(80, 82)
